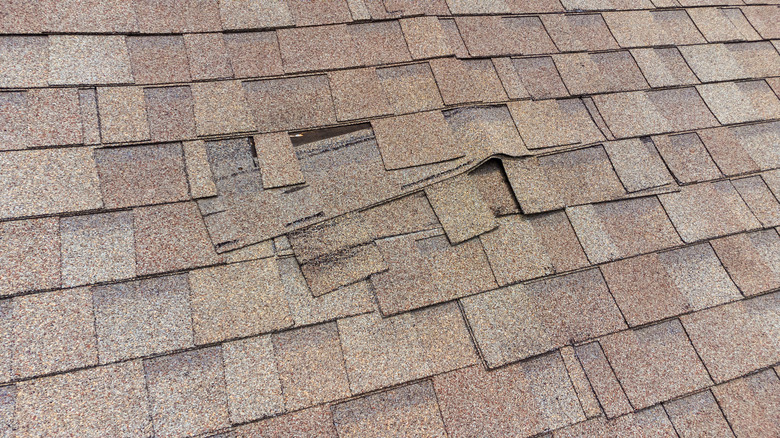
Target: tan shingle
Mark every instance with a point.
(580, 32)
(410, 88)
(199, 176)
(652, 28)
(171, 115)
(723, 24)
(291, 103)
(739, 102)
(123, 116)
(610, 394)
(308, 423)
(415, 139)
(379, 42)
(425, 37)
(649, 422)
(698, 415)
(605, 72)
(498, 36)
(687, 158)
(752, 260)
(317, 48)
(177, 16)
(88, 59)
(637, 164)
(320, 12)
(158, 59)
(89, 116)
(550, 123)
(720, 62)
(460, 209)
(14, 121)
(486, 130)
(279, 166)
(664, 67)
(208, 56)
(759, 199)
(764, 19)
(55, 117)
(220, 108)
(252, 378)
(579, 380)
(539, 77)
(254, 54)
(462, 81)
(358, 94)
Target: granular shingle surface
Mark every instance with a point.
(385, 218)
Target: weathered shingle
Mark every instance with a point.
(549, 123)
(254, 14)
(171, 113)
(253, 54)
(220, 108)
(580, 32)
(123, 116)
(739, 102)
(88, 59)
(606, 72)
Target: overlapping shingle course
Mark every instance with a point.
(377, 217)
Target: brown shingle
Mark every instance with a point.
(615, 230)
(551, 182)
(698, 415)
(358, 94)
(89, 116)
(550, 123)
(308, 13)
(580, 32)
(252, 378)
(497, 36)
(158, 59)
(123, 115)
(311, 365)
(88, 16)
(199, 176)
(751, 404)
(410, 410)
(53, 332)
(24, 61)
(88, 59)
(29, 255)
(736, 338)
(254, 14)
(343, 268)
(7, 408)
(171, 115)
(605, 72)
(637, 164)
(254, 54)
(208, 56)
(656, 286)
(752, 260)
(177, 16)
(410, 88)
(317, 48)
(20, 16)
(664, 67)
(606, 386)
(650, 422)
(453, 38)
(519, 400)
(540, 77)
(511, 81)
(460, 209)
(97, 248)
(309, 423)
(759, 199)
(90, 403)
(655, 363)
(253, 305)
(521, 321)
(729, 151)
(141, 175)
(764, 19)
(187, 392)
(424, 269)
(414, 139)
(652, 28)
(687, 158)
(723, 24)
(171, 237)
(738, 102)
(379, 42)
(66, 180)
(378, 350)
(708, 210)
(291, 103)
(142, 317)
(220, 108)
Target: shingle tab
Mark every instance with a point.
(177, 16)
(739, 102)
(14, 121)
(687, 158)
(55, 117)
(720, 62)
(751, 404)
(764, 19)
(358, 94)
(539, 77)
(752, 260)
(254, 14)
(24, 61)
(698, 415)
(158, 59)
(499, 36)
(723, 24)
(549, 123)
(602, 378)
(254, 54)
(650, 422)
(637, 164)
(425, 37)
(88, 59)
(291, 103)
(208, 56)
(123, 116)
(521, 321)
(759, 199)
(652, 28)
(29, 255)
(279, 166)
(170, 112)
(460, 209)
(309, 423)
(415, 139)
(606, 72)
(220, 108)
(664, 67)
(317, 48)
(410, 88)
(252, 378)
(580, 32)
(379, 42)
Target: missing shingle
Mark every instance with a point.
(492, 182)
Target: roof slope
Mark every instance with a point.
(359, 218)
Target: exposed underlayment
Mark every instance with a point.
(385, 218)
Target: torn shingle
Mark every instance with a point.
(687, 158)
(521, 321)
(708, 210)
(358, 94)
(415, 139)
(655, 363)
(410, 88)
(24, 61)
(424, 269)
(254, 14)
(638, 164)
(412, 410)
(549, 123)
(656, 286)
(170, 112)
(141, 175)
(253, 54)
(187, 392)
(97, 248)
(343, 268)
(486, 131)
(378, 350)
(123, 116)
(53, 332)
(751, 404)
(252, 379)
(616, 230)
(664, 67)
(158, 59)
(698, 415)
(106, 400)
(254, 305)
(460, 209)
(220, 108)
(142, 317)
(737, 338)
(519, 400)
(29, 255)
(311, 365)
(602, 378)
(291, 103)
(752, 260)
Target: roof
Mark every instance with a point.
(375, 218)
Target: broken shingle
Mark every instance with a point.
(171, 115)
(141, 175)
(656, 286)
(29, 255)
(517, 322)
(187, 392)
(158, 59)
(549, 123)
(460, 209)
(615, 230)
(253, 386)
(579, 380)
(255, 304)
(123, 116)
(378, 350)
(343, 268)
(311, 365)
(220, 108)
(291, 103)
(414, 139)
(752, 260)
(142, 317)
(97, 248)
(486, 130)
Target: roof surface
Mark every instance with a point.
(383, 218)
